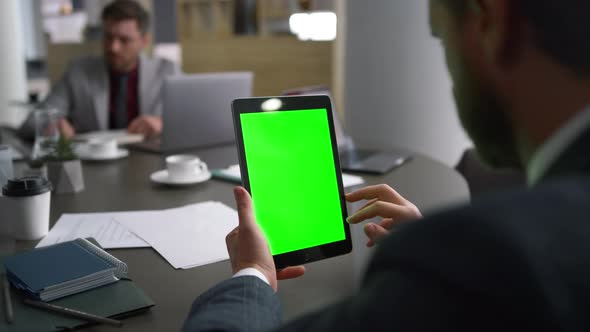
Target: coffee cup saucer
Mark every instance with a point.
(163, 177)
(84, 154)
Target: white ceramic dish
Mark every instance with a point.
(85, 155)
(162, 177)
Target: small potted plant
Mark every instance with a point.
(64, 169)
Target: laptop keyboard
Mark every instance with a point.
(356, 155)
(367, 161)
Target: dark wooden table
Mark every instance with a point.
(124, 185)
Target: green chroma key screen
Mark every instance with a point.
(293, 178)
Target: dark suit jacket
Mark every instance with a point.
(516, 261)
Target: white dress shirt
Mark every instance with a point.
(549, 152)
(250, 271)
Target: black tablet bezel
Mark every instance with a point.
(255, 105)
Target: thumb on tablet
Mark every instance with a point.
(244, 204)
(247, 245)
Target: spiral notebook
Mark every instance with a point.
(63, 269)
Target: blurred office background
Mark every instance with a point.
(385, 71)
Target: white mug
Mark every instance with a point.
(184, 167)
(24, 208)
(100, 147)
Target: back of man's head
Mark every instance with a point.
(121, 10)
(560, 28)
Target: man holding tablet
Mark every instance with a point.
(516, 261)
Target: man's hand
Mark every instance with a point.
(383, 202)
(147, 125)
(248, 247)
(65, 128)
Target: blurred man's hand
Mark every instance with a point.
(66, 129)
(147, 125)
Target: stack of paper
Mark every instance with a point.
(186, 237)
(189, 236)
(101, 226)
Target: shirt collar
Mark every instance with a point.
(548, 153)
(132, 72)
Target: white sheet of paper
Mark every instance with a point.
(100, 226)
(348, 180)
(188, 236)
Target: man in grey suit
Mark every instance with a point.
(119, 90)
(516, 261)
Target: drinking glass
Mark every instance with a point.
(46, 131)
(6, 168)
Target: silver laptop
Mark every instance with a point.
(197, 110)
(351, 158)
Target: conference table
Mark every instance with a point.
(124, 185)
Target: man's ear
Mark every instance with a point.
(146, 40)
(498, 29)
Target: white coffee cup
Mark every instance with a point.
(102, 148)
(184, 167)
(24, 208)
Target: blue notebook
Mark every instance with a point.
(63, 269)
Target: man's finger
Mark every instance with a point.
(244, 204)
(379, 209)
(382, 192)
(65, 128)
(135, 126)
(368, 203)
(132, 126)
(140, 128)
(290, 272)
(232, 234)
(375, 232)
(387, 223)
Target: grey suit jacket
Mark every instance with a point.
(82, 94)
(514, 261)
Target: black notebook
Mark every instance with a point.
(117, 300)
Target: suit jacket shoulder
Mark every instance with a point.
(520, 256)
(152, 72)
(85, 62)
(160, 65)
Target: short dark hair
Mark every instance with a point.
(561, 29)
(121, 10)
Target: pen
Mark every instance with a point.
(74, 313)
(7, 300)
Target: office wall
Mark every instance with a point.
(12, 63)
(396, 89)
(278, 63)
(164, 21)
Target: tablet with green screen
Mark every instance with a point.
(289, 164)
